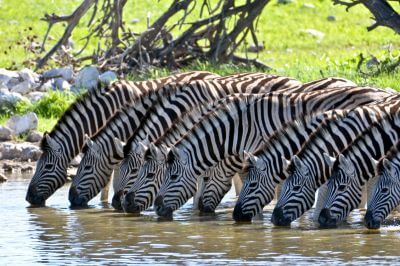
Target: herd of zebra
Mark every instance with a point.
(191, 134)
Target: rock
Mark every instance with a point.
(3, 178)
(87, 78)
(23, 87)
(61, 84)
(308, 5)
(331, 18)
(22, 124)
(46, 86)
(34, 136)
(134, 20)
(256, 48)
(35, 96)
(314, 33)
(7, 75)
(22, 151)
(285, 1)
(65, 72)
(30, 76)
(5, 133)
(372, 63)
(8, 99)
(107, 77)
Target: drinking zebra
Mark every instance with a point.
(353, 168)
(86, 116)
(309, 169)
(386, 193)
(242, 126)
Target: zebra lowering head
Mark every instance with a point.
(386, 195)
(298, 193)
(89, 181)
(344, 191)
(257, 189)
(128, 170)
(141, 195)
(179, 183)
(51, 171)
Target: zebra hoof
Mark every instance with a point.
(279, 219)
(326, 220)
(370, 222)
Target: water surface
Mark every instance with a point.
(98, 235)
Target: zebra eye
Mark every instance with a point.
(48, 167)
(206, 178)
(342, 188)
(174, 177)
(150, 175)
(88, 167)
(296, 189)
(384, 190)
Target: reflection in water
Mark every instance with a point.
(60, 235)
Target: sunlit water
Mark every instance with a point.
(98, 235)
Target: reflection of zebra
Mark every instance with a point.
(353, 169)
(240, 127)
(309, 170)
(105, 151)
(168, 112)
(216, 181)
(86, 116)
(386, 193)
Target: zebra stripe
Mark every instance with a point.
(240, 127)
(353, 168)
(386, 194)
(308, 170)
(86, 116)
(218, 180)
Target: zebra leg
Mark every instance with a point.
(198, 193)
(106, 189)
(322, 195)
(238, 183)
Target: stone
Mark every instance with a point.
(285, 2)
(5, 133)
(3, 178)
(23, 87)
(87, 78)
(9, 99)
(108, 77)
(22, 124)
(331, 18)
(48, 85)
(308, 5)
(34, 136)
(7, 75)
(35, 96)
(256, 48)
(30, 76)
(61, 84)
(134, 20)
(314, 33)
(21, 151)
(64, 72)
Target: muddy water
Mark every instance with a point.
(59, 235)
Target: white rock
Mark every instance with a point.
(9, 99)
(7, 75)
(65, 72)
(23, 87)
(35, 96)
(87, 78)
(108, 77)
(29, 75)
(308, 5)
(34, 136)
(5, 133)
(46, 86)
(61, 84)
(22, 124)
(314, 33)
(3, 178)
(23, 151)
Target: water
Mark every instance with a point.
(58, 235)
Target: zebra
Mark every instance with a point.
(160, 120)
(102, 154)
(86, 116)
(386, 193)
(217, 181)
(309, 169)
(241, 126)
(353, 168)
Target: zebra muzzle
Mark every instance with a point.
(370, 221)
(128, 203)
(279, 218)
(326, 220)
(75, 199)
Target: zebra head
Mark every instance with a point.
(94, 171)
(179, 183)
(344, 191)
(128, 170)
(386, 195)
(141, 195)
(297, 195)
(51, 171)
(257, 191)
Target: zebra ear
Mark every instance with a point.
(375, 165)
(52, 143)
(346, 164)
(142, 146)
(119, 146)
(155, 152)
(297, 162)
(180, 155)
(387, 165)
(285, 162)
(330, 160)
